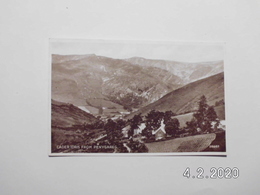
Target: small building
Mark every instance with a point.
(140, 128)
(160, 133)
(220, 125)
(124, 112)
(125, 131)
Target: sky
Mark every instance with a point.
(173, 51)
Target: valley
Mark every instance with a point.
(136, 105)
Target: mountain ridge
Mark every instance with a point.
(99, 81)
(185, 99)
(96, 77)
(184, 70)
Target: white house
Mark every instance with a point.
(221, 125)
(160, 133)
(125, 130)
(140, 128)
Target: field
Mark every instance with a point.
(220, 110)
(220, 142)
(184, 118)
(196, 143)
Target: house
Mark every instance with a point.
(160, 133)
(140, 128)
(137, 131)
(125, 131)
(220, 125)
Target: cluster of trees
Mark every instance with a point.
(152, 122)
(114, 134)
(114, 129)
(204, 118)
(201, 121)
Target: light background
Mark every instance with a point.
(173, 51)
(25, 29)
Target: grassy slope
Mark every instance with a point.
(67, 115)
(183, 118)
(196, 143)
(220, 110)
(186, 98)
(220, 142)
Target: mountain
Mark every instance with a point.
(188, 72)
(102, 82)
(67, 115)
(185, 99)
(94, 83)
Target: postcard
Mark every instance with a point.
(114, 97)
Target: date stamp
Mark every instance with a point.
(214, 173)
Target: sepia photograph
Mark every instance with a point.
(141, 97)
(130, 97)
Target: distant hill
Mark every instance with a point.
(96, 82)
(188, 72)
(185, 99)
(66, 115)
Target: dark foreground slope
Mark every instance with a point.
(196, 143)
(66, 115)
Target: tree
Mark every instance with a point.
(152, 122)
(212, 117)
(204, 116)
(147, 133)
(153, 119)
(168, 115)
(134, 123)
(200, 115)
(172, 126)
(120, 124)
(110, 128)
(192, 126)
(211, 114)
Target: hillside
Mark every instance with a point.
(188, 72)
(183, 118)
(66, 115)
(196, 143)
(97, 81)
(185, 99)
